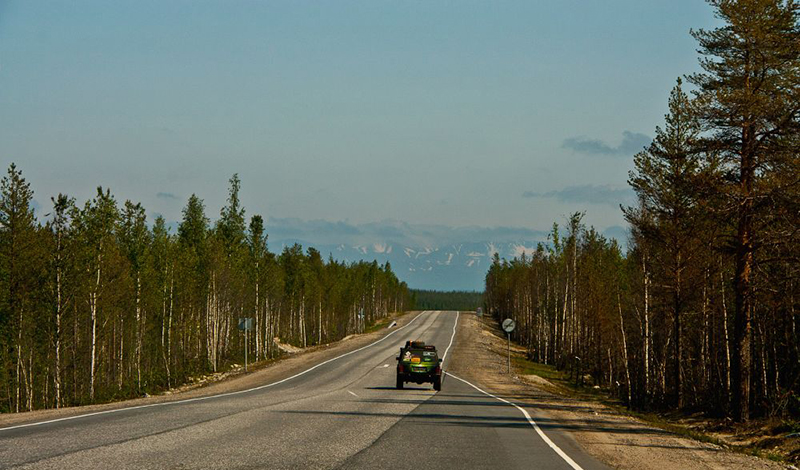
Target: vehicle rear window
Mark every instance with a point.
(422, 356)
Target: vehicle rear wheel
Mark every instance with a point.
(399, 383)
(437, 384)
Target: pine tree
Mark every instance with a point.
(61, 231)
(231, 224)
(257, 244)
(17, 245)
(192, 279)
(135, 240)
(161, 269)
(749, 100)
(96, 227)
(669, 216)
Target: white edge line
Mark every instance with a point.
(189, 400)
(544, 437)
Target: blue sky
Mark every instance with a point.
(491, 113)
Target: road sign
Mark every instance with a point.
(246, 324)
(508, 327)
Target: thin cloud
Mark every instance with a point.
(600, 194)
(167, 196)
(321, 232)
(632, 142)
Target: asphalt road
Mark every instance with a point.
(345, 413)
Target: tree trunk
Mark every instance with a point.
(741, 370)
(257, 319)
(676, 305)
(93, 309)
(624, 349)
(139, 329)
(646, 341)
(59, 311)
(725, 331)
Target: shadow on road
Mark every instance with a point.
(517, 399)
(426, 389)
(491, 421)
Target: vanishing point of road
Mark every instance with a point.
(342, 413)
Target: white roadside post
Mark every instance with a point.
(245, 324)
(508, 327)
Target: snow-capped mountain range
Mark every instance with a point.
(425, 256)
(459, 266)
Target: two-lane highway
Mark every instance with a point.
(344, 412)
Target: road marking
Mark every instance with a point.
(351, 393)
(544, 437)
(385, 366)
(452, 337)
(189, 400)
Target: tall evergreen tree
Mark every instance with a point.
(749, 100)
(95, 306)
(231, 224)
(135, 240)
(17, 246)
(61, 231)
(669, 215)
(96, 229)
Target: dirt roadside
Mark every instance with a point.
(261, 373)
(617, 440)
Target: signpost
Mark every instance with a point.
(245, 324)
(508, 327)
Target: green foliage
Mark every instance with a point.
(96, 305)
(702, 311)
(748, 100)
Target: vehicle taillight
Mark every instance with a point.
(400, 368)
(438, 369)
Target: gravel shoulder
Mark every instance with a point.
(618, 440)
(261, 373)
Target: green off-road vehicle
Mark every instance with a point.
(419, 363)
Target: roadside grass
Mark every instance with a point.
(545, 371)
(378, 325)
(563, 383)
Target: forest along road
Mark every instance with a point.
(344, 413)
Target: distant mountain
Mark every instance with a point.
(426, 256)
(461, 266)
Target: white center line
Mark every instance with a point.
(351, 393)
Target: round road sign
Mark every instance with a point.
(508, 325)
